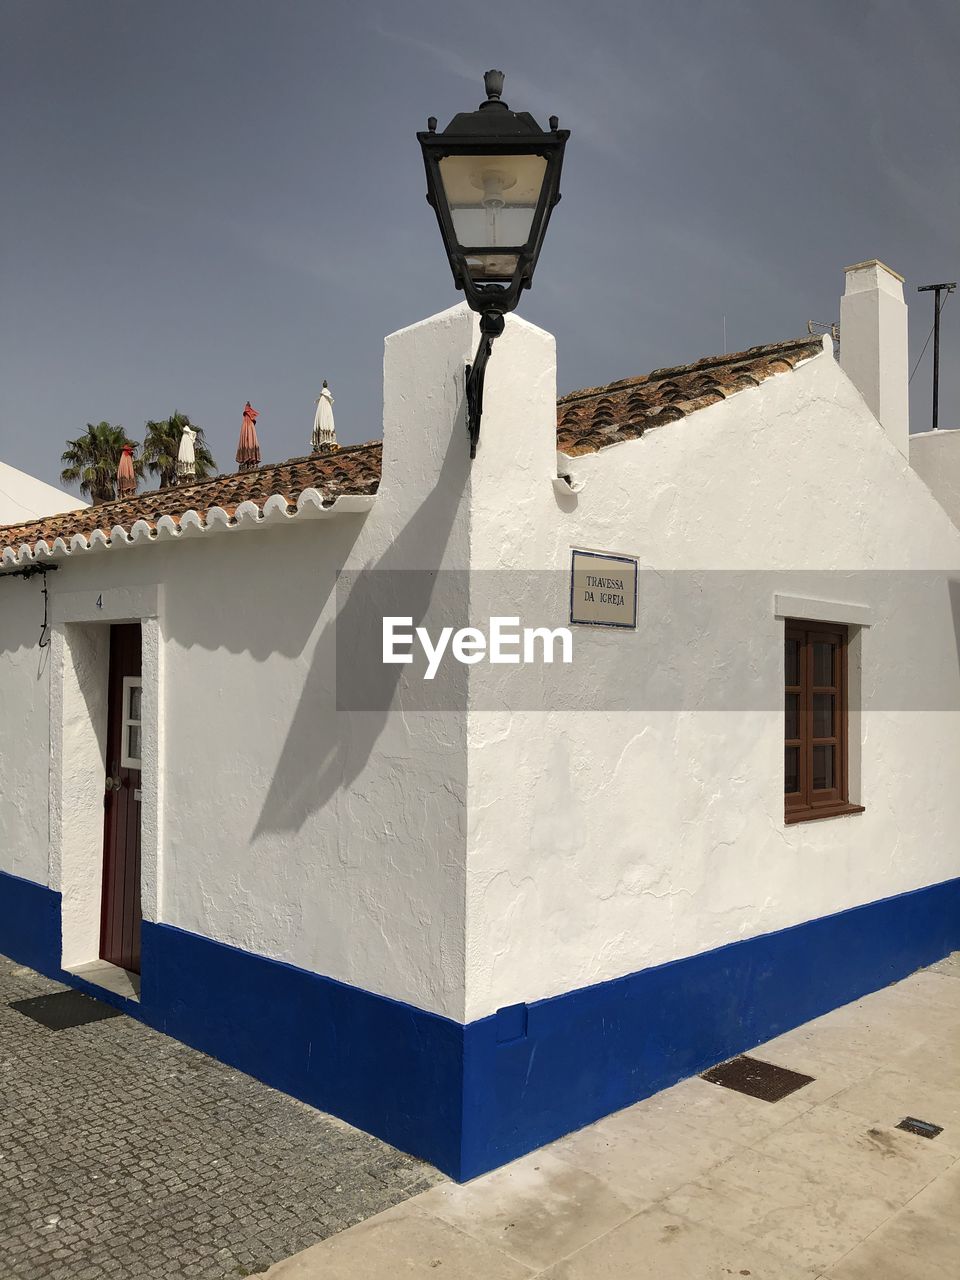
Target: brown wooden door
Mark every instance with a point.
(120, 911)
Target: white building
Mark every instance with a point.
(935, 456)
(472, 914)
(24, 497)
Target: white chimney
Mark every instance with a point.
(873, 345)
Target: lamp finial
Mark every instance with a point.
(493, 84)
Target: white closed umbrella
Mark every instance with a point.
(324, 432)
(186, 456)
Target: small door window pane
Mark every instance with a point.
(131, 732)
(822, 768)
(822, 662)
(823, 715)
(791, 782)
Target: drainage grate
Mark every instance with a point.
(922, 1127)
(757, 1079)
(65, 1009)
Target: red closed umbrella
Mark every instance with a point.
(126, 477)
(248, 451)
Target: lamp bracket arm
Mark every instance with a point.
(491, 326)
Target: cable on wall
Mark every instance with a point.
(31, 571)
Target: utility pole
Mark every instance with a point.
(937, 289)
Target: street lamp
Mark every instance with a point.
(493, 177)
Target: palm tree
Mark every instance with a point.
(92, 459)
(162, 443)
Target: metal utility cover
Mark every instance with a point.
(922, 1127)
(757, 1079)
(65, 1009)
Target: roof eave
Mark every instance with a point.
(275, 511)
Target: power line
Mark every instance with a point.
(929, 336)
(921, 355)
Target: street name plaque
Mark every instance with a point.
(603, 590)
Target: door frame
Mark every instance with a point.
(79, 667)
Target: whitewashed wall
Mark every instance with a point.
(24, 738)
(623, 839)
(935, 456)
(329, 840)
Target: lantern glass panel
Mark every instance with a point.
(492, 201)
(491, 266)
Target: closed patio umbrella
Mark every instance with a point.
(248, 451)
(126, 479)
(186, 455)
(324, 432)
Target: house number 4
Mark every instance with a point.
(100, 602)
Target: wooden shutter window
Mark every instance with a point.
(815, 722)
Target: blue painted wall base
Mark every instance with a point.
(30, 924)
(470, 1098)
(590, 1052)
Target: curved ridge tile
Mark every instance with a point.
(191, 523)
(275, 508)
(247, 514)
(167, 527)
(142, 531)
(218, 518)
(310, 502)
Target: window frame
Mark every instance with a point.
(806, 804)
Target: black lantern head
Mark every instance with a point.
(493, 177)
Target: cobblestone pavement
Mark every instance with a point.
(124, 1154)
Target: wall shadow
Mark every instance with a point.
(247, 594)
(326, 747)
(953, 588)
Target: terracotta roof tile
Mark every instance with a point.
(587, 420)
(595, 417)
(353, 469)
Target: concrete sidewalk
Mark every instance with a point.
(704, 1183)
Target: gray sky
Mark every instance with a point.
(206, 201)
